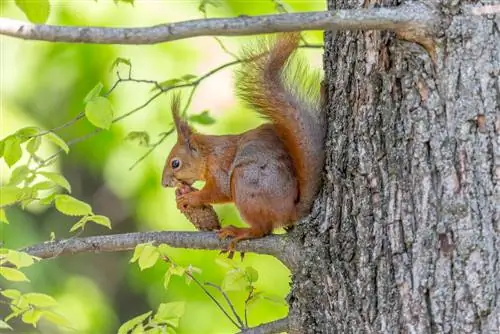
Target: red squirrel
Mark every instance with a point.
(273, 172)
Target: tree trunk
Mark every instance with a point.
(405, 236)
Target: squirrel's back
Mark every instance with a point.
(270, 83)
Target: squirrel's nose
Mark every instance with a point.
(167, 181)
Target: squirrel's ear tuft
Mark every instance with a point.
(183, 129)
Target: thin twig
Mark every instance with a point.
(62, 126)
(152, 148)
(240, 327)
(142, 106)
(250, 295)
(407, 16)
(228, 301)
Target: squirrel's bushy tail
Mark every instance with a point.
(271, 84)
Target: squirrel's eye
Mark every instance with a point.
(176, 163)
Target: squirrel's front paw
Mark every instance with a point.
(187, 200)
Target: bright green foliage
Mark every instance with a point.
(165, 320)
(58, 179)
(94, 92)
(167, 84)
(202, 118)
(131, 2)
(101, 220)
(34, 144)
(14, 275)
(141, 137)
(204, 3)
(119, 61)
(12, 150)
(99, 112)
(3, 217)
(71, 206)
(19, 174)
(39, 299)
(10, 195)
(170, 313)
(36, 11)
(132, 323)
(146, 255)
(58, 141)
(31, 307)
(4, 325)
(18, 259)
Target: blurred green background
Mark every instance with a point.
(44, 84)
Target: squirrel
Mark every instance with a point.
(273, 172)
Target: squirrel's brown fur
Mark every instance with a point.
(272, 173)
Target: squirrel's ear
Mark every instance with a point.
(183, 129)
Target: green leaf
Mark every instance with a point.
(10, 195)
(167, 84)
(4, 325)
(202, 118)
(80, 224)
(252, 274)
(224, 262)
(99, 112)
(139, 329)
(39, 299)
(3, 217)
(58, 141)
(33, 144)
(163, 249)
(94, 92)
(119, 61)
(177, 270)
(27, 132)
(36, 11)
(12, 150)
(141, 137)
(2, 146)
(129, 325)
(31, 316)
(14, 275)
(56, 318)
(188, 77)
(148, 257)
(235, 280)
(47, 200)
(44, 185)
(137, 252)
(19, 174)
(204, 3)
(125, 1)
(166, 279)
(170, 311)
(71, 206)
(57, 179)
(101, 220)
(19, 259)
(154, 331)
(11, 293)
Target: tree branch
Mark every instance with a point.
(414, 16)
(275, 245)
(277, 326)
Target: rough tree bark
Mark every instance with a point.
(405, 236)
